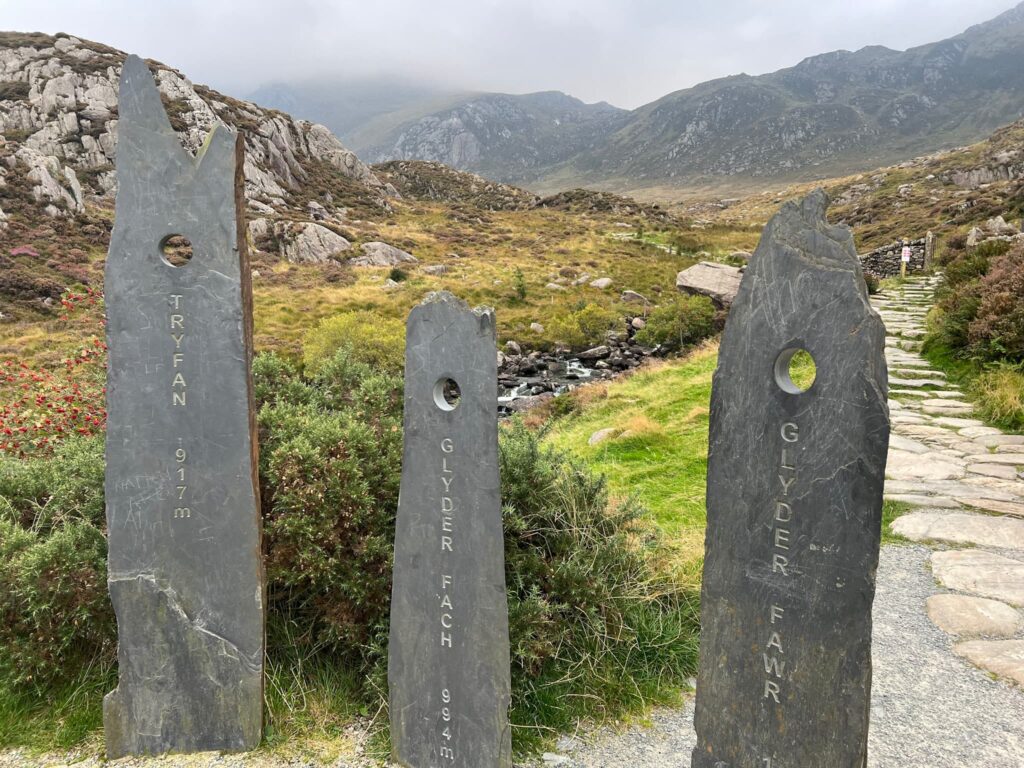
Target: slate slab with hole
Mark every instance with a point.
(448, 655)
(794, 503)
(185, 570)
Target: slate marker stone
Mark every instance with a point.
(448, 656)
(185, 570)
(794, 501)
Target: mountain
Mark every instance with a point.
(506, 137)
(829, 114)
(357, 110)
(58, 135)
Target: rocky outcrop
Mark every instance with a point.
(996, 228)
(310, 243)
(719, 282)
(58, 114)
(378, 254)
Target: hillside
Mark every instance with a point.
(947, 192)
(828, 115)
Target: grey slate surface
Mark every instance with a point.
(794, 503)
(185, 567)
(448, 656)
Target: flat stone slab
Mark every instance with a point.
(794, 497)
(1012, 459)
(995, 505)
(982, 573)
(962, 528)
(1004, 658)
(922, 500)
(958, 422)
(926, 466)
(1001, 471)
(966, 616)
(185, 567)
(901, 443)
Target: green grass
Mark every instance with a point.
(660, 451)
(996, 390)
(890, 511)
(70, 716)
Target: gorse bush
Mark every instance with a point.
(329, 469)
(584, 327)
(683, 322)
(54, 613)
(371, 338)
(598, 623)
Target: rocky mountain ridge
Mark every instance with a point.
(827, 115)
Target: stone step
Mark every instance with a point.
(1003, 658)
(981, 573)
(961, 528)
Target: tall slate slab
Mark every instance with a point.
(185, 568)
(794, 501)
(448, 656)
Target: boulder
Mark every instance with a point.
(601, 435)
(313, 244)
(638, 323)
(536, 327)
(632, 297)
(997, 225)
(601, 283)
(436, 269)
(975, 236)
(554, 287)
(719, 282)
(378, 254)
(595, 353)
(513, 348)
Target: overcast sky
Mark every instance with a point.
(627, 52)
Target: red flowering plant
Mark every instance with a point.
(43, 404)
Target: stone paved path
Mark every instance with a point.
(965, 483)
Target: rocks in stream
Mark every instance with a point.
(525, 379)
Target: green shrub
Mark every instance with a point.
(373, 339)
(958, 299)
(519, 284)
(584, 327)
(55, 617)
(682, 322)
(329, 469)
(872, 283)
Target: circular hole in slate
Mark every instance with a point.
(447, 394)
(795, 370)
(176, 250)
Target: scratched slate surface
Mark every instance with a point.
(448, 656)
(185, 569)
(794, 499)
